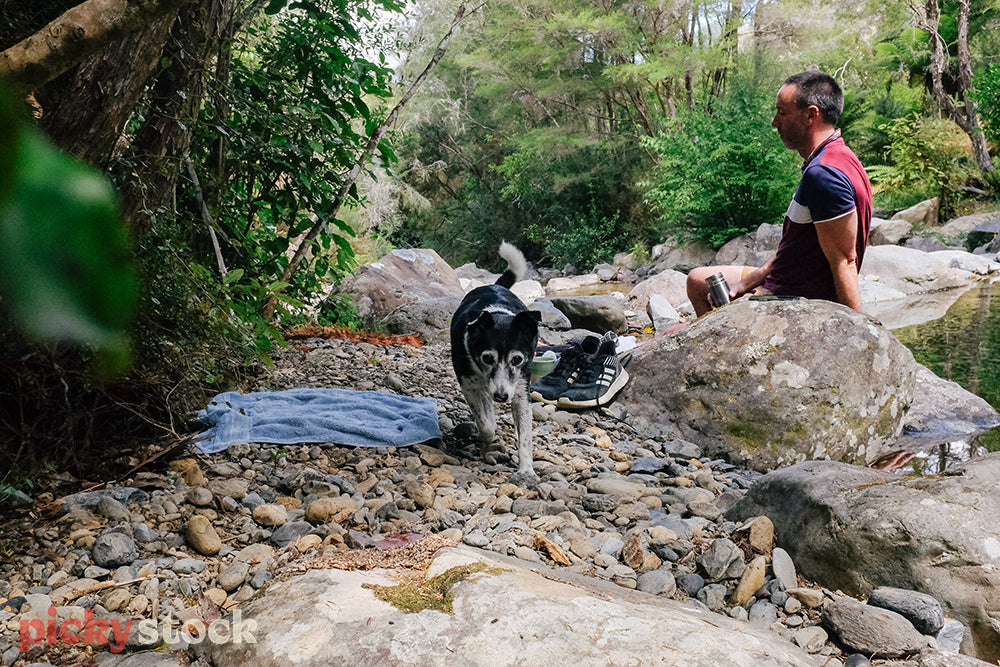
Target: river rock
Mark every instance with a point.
(670, 285)
(677, 256)
(270, 515)
(911, 271)
(853, 529)
(402, 276)
(114, 550)
(552, 317)
(753, 249)
(202, 537)
(726, 361)
(557, 618)
(751, 581)
(943, 408)
(661, 313)
(920, 609)
(721, 560)
(924, 214)
(784, 569)
(430, 318)
(876, 632)
(233, 576)
(889, 232)
(598, 313)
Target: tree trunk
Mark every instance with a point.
(75, 35)
(964, 116)
(163, 142)
(85, 110)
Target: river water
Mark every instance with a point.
(962, 346)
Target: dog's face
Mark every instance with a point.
(500, 347)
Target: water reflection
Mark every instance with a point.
(963, 346)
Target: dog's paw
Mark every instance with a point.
(526, 478)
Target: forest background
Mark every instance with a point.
(181, 181)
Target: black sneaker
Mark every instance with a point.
(599, 378)
(550, 387)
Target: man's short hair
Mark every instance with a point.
(814, 87)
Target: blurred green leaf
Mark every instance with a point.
(65, 267)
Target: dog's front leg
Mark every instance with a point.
(521, 406)
(483, 412)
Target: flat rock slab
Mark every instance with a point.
(511, 614)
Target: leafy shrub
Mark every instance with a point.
(986, 93)
(583, 240)
(724, 173)
(927, 157)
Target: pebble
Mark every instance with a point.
(189, 566)
(270, 515)
(202, 537)
(657, 582)
(751, 581)
(922, 610)
(763, 614)
(783, 568)
(114, 549)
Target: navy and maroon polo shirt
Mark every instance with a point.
(833, 184)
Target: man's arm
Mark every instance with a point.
(751, 281)
(838, 238)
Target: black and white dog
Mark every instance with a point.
(493, 338)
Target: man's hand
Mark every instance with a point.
(838, 238)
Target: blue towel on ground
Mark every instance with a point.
(339, 416)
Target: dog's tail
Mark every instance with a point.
(517, 266)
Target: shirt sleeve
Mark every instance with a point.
(826, 192)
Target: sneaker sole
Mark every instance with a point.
(619, 382)
(535, 396)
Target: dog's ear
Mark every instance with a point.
(525, 325)
(483, 322)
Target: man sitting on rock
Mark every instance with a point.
(826, 226)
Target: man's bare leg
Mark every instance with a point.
(697, 288)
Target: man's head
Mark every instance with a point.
(808, 105)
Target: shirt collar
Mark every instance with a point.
(812, 156)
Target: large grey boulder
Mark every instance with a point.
(598, 313)
(924, 214)
(888, 232)
(769, 383)
(671, 285)
(855, 528)
(752, 249)
(911, 271)
(401, 277)
(943, 409)
(677, 256)
(956, 230)
(431, 318)
(507, 615)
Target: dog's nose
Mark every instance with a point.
(500, 396)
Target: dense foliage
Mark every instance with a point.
(718, 180)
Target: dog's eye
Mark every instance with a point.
(516, 359)
(489, 358)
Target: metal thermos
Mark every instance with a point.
(718, 289)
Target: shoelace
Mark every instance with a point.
(568, 363)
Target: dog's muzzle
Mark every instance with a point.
(501, 396)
